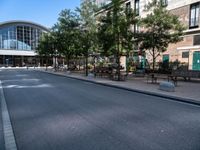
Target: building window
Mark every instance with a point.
(166, 58)
(137, 11)
(136, 28)
(185, 54)
(164, 3)
(128, 7)
(19, 37)
(194, 15)
(196, 40)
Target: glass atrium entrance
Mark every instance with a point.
(21, 61)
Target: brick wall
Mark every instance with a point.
(174, 52)
(183, 14)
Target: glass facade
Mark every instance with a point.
(19, 37)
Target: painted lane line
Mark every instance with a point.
(10, 143)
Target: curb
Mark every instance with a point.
(175, 98)
(8, 132)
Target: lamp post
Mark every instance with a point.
(85, 48)
(95, 60)
(86, 71)
(86, 60)
(55, 65)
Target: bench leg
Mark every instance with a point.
(175, 81)
(153, 80)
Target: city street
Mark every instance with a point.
(50, 112)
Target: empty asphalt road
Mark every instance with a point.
(50, 112)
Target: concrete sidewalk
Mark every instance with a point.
(185, 91)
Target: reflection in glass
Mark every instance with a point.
(19, 37)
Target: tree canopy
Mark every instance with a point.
(115, 32)
(79, 33)
(160, 29)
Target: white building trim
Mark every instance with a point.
(188, 47)
(173, 4)
(17, 53)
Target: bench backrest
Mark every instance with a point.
(186, 73)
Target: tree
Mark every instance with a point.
(88, 29)
(160, 29)
(115, 33)
(45, 47)
(65, 30)
(128, 32)
(105, 35)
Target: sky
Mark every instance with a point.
(44, 12)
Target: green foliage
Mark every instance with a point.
(160, 29)
(116, 28)
(116, 36)
(66, 33)
(87, 13)
(64, 36)
(68, 36)
(105, 36)
(88, 30)
(45, 46)
(88, 24)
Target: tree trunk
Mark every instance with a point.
(154, 60)
(86, 65)
(46, 62)
(118, 58)
(127, 60)
(68, 58)
(118, 67)
(79, 63)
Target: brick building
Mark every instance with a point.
(188, 50)
(188, 11)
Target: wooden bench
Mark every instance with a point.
(185, 74)
(139, 73)
(153, 78)
(114, 76)
(103, 72)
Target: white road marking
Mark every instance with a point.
(10, 143)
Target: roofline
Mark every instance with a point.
(24, 22)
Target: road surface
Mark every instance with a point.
(50, 112)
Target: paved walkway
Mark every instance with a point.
(185, 90)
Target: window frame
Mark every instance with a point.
(196, 19)
(128, 7)
(185, 54)
(137, 11)
(164, 3)
(196, 39)
(136, 28)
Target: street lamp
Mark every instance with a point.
(85, 48)
(86, 60)
(56, 61)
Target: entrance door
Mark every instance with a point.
(8, 61)
(166, 58)
(196, 60)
